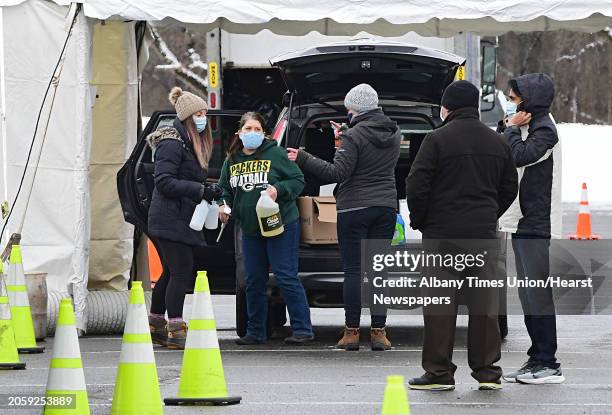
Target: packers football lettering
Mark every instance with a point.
(249, 175)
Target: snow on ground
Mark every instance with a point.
(587, 157)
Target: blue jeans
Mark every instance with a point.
(532, 261)
(281, 254)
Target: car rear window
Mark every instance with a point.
(322, 130)
(411, 133)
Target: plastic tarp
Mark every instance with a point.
(378, 17)
(115, 114)
(74, 228)
(55, 236)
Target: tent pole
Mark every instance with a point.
(3, 118)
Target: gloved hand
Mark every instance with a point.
(211, 192)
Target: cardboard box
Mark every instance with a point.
(318, 217)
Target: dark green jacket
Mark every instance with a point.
(244, 177)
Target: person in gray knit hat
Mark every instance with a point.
(366, 196)
(360, 99)
(180, 154)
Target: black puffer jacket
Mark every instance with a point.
(535, 155)
(364, 165)
(462, 180)
(179, 186)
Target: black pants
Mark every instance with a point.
(169, 292)
(532, 257)
(353, 226)
(484, 340)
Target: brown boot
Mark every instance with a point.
(177, 335)
(350, 339)
(157, 326)
(379, 339)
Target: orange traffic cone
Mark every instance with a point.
(583, 227)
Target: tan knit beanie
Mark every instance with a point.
(186, 103)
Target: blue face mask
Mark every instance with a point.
(200, 123)
(252, 140)
(510, 108)
(350, 117)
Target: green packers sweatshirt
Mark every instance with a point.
(243, 177)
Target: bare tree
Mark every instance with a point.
(175, 60)
(185, 73)
(580, 64)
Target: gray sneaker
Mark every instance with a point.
(542, 375)
(526, 368)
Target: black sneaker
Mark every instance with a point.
(542, 375)
(299, 339)
(489, 386)
(248, 341)
(429, 382)
(526, 368)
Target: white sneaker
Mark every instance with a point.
(541, 375)
(526, 368)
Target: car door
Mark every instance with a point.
(135, 187)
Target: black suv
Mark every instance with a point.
(409, 80)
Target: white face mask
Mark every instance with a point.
(442, 116)
(200, 123)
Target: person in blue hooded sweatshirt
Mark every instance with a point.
(534, 217)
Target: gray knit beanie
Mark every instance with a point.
(186, 103)
(361, 98)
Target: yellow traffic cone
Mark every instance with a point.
(20, 305)
(202, 379)
(66, 379)
(137, 386)
(9, 358)
(396, 398)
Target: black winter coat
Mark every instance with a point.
(179, 186)
(535, 154)
(364, 165)
(462, 180)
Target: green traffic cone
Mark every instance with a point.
(396, 399)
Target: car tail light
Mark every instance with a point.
(213, 100)
(277, 135)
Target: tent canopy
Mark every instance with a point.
(440, 18)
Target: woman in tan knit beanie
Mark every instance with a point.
(181, 154)
(191, 109)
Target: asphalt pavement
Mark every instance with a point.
(317, 379)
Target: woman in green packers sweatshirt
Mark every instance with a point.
(254, 164)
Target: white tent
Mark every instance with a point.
(382, 17)
(74, 227)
